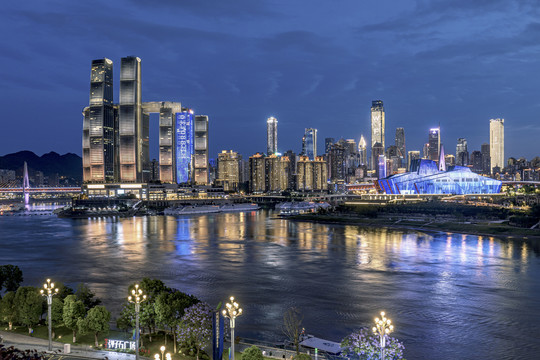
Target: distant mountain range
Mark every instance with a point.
(69, 165)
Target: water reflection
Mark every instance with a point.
(450, 295)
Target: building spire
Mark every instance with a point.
(442, 162)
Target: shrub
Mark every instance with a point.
(252, 353)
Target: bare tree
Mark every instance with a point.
(292, 326)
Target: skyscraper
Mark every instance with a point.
(200, 147)
(377, 123)
(133, 151)
(462, 154)
(99, 125)
(328, 142)
(257, 173)
(486, 159)
(229, 170)
(496, 143)
(309, 144)
(400, 142)
(271, 136)
(434, 143)
(362, 150)
(412, 155)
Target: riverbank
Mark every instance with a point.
(452, 225)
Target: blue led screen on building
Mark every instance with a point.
(184, 145)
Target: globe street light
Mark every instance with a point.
(233, 310)
(137, 298)
(49, 291)
(162, 348)
(382, 328)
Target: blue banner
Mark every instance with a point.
(217, 336)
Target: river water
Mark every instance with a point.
(450, 296)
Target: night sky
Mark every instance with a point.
(308, 63)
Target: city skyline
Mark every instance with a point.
(234, 74)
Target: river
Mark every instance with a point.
(450, 296)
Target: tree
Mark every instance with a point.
(365, 344)
(8, 309)
(292, 326)
(96, 322)
(86, 295)
(170, 307)
(63, 290)
(73, 311)
(29, 304)
(252, 353)
(195, 329)
(11, 277)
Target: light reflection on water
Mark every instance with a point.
(451, 296)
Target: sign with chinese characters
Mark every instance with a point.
(119, 344)
(184, 145)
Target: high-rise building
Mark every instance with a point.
(350, 144)
(311, 174)
(200, 149)
(400, 142)
(476, 160)
(275, 171)
(133, 151)
(100, 125)
(362, 150)
(271, 136)
(462, 154)
(381, 169)
(167, 123)
(337, 162)
(228, 170)
(328, 142)
(256, 173)
(376, 151)
(411, 156)
(184, 146)
(450, 160)
(496, 143)
(309, 143)
(291, 171)
(486, 159)
(377, 123)
(434, 143)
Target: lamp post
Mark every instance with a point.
(232, 312)
(49, 290)
(137, 298)
(382, 328)
(162, 348)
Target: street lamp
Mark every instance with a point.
(49, 291)
(137, 298)
(382, 328)
(233, 310)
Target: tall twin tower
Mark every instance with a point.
(116, 136)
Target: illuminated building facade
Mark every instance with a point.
(328, 142)
(411, 156)
(311, 174)
(275, 173)
(400, 142)
(184, 146)
(426, 178)
(271, 135)
(100, 125)
(496, 143)
(309, 143)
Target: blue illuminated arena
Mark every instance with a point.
(424, 177)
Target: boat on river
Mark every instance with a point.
(209, 209)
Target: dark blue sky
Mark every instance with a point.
(308, 63)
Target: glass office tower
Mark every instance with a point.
(434, 143)
(309, 144)
(377, 123)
